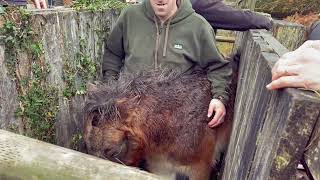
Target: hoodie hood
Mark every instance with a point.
(184, 10)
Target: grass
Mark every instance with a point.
(224, 47)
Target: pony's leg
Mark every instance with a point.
(200, 171)
(161, 167)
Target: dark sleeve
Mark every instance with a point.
(114, 51)
(314, 31)
(221, 16)
(218, 69)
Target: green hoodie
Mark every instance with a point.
(183, 43)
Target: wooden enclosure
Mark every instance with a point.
(272, 130)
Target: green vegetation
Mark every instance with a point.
(83, 67)
(76, 140)
(24, 59)
(224, 47)
(98, 5)
(38, 100)
(283, 8)
(282, 161)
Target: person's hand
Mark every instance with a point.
(315, 44)
(220, 111)
(131, 1)
(300, 68)
(40, 4)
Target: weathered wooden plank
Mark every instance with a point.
(225, 39)
(249, 111)
(61, 43)
(8, 96)
(287, 128)
(312, 152)
(260, 145)
(25, 158)
(290, 35)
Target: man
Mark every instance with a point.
(222, 16)
(168, 34)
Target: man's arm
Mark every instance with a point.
(219, 74)
(114, 51)
(219, 70)
(221, 16)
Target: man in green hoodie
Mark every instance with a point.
(168, 34)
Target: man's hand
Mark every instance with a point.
(299, 68)
(220, 111)
(40, 4)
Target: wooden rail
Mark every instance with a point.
(25, 158)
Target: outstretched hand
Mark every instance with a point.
(299, 68)
(219, 110)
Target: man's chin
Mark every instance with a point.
(161, 15)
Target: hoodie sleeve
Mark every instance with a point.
(219, 70)
(221, 16)
(114, 51)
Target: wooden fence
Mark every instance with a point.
(271, 129)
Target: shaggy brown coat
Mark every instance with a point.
(157, 117)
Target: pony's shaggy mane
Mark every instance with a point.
(102, 99)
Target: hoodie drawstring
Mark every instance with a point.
(158, 41)
(157, 44)
(166, 39)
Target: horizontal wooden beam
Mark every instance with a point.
(25, 158)
(225, 39)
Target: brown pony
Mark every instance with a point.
(157, 117)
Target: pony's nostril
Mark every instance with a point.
(95, 121)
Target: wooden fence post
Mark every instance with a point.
(312, 152)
